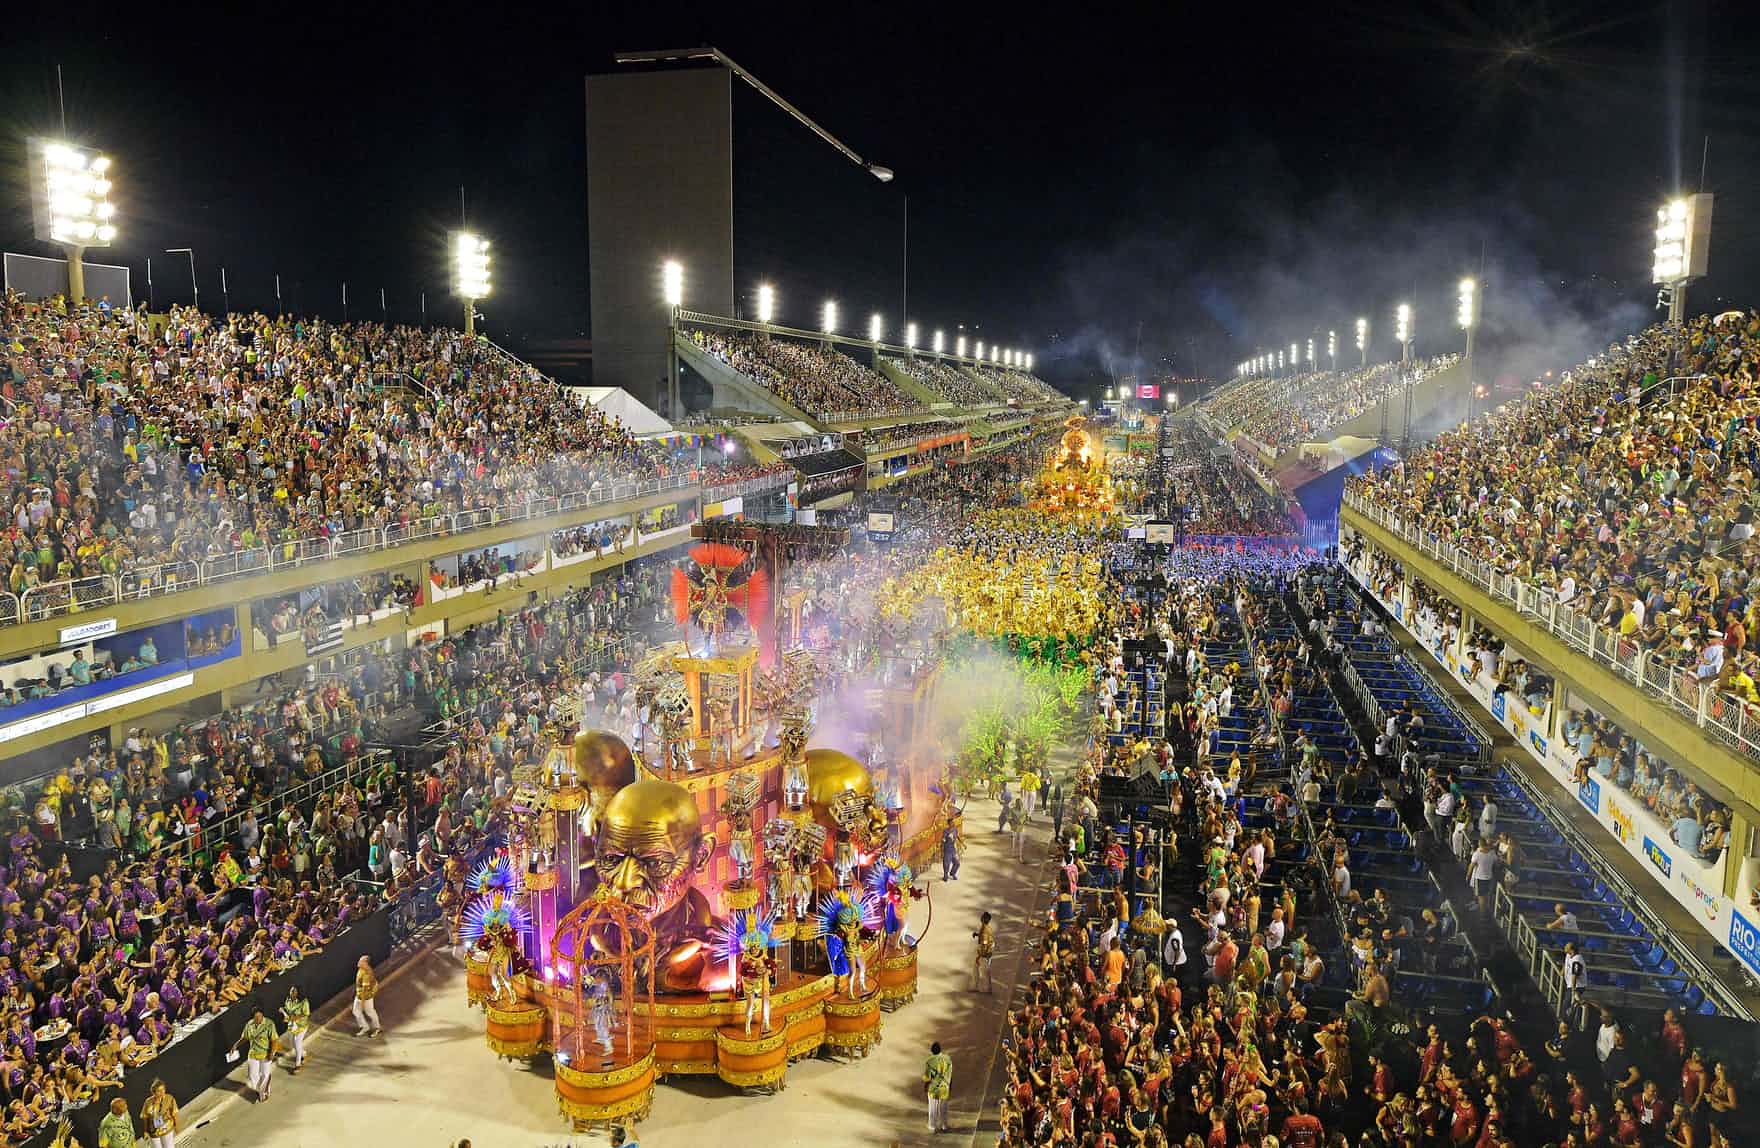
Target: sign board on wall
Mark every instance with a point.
(86, 631)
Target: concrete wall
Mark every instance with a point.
(659, 187)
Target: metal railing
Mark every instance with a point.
(1722, 716)
(57, 599)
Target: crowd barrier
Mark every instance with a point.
(58, 599)
(1724, 717)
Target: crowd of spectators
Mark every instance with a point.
(746, 471)
(904, 434)
(1695, 821)
(820, 380)
(1128, 1035)
(1630, 504)
(1214, 494)
(1281, 411)
(951, 382)
(1019, 387)
(215, 880)
(352, 600)
(127, 442)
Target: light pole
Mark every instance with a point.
(1467, 315)
(672, 287)
(1683, 242)
(70, 204)
(1363, 341)
(939, 342)
(470, 275)
(1402, 330)
(194, 283)
(1332, 349)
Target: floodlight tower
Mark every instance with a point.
(1363, 341)
(766, 303)
(1683, 243)
(938, 342)
(1467, 316)
(1402, 331)
(70, 204)
(672, 289)
(959, 347)
(910, 339)
(828, 318)
(1332, 349)
(470, 274)
(1295, 359)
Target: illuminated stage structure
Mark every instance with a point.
(685, 908)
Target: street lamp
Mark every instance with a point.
(1402, 330)
(672, 287)
(766, 303)
(1683, 242)
(828, 318)
(70, 205)
(1363, 341)
(470, 274)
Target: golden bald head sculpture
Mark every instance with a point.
(829, 773)
(602, 764)
(650, 843)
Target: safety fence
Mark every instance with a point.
(1723, 716)
(59, 599)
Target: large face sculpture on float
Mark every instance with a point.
(650, 845)
(832, 777)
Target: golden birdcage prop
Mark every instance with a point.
(604, 935)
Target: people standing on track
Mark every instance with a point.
(366, 987)
(260, 1038)
(296, 1013)
(985, 935)
(950, 850)
(116, 1130)
(160, 1119)
(938, 1083)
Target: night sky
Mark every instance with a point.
(1227, 179)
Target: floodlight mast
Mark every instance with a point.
(70, 199)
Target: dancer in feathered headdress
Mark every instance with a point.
(497, 916)
(841, 918)
(746, 941)
(889, 886)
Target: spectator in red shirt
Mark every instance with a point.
(1302, 1129)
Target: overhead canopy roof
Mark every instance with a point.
(626, 409)
(826, 462)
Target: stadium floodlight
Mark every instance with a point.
(1467, 305)
(470, 274)
(959, 346)
(939, 341)
(828, 318)
(1402, 329)
(672, 282)
(1295, 358)
(70, 203)
(1332, 348)
(1310, 354)
(1029, 362)
(766, 303)
(978, 351)
(1280, 360)
(876, 327)
(910, 336)
(1683, 243)
(1363, 341)
(995, 354)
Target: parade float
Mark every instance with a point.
(723, 898)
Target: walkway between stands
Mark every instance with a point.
(1684, 928)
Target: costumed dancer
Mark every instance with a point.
(756, 973)
(297, 1013)
(366, 987)
(600, 1004)
(740, 848)
(842, 918)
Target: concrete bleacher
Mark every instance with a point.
(1629, 958)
